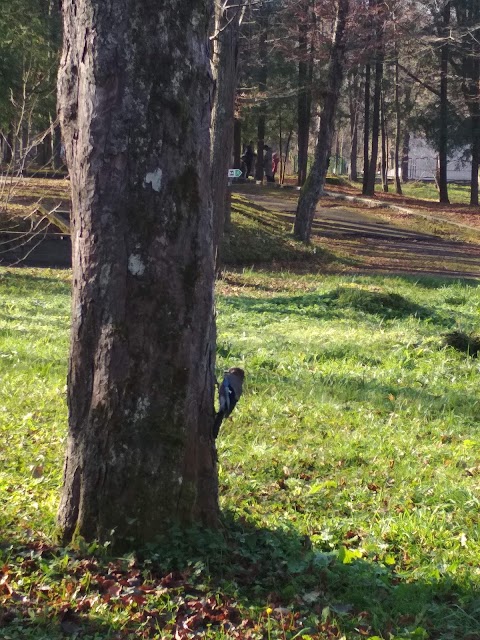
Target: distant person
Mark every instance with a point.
(275, 161)
(248, 158)
(268, 163)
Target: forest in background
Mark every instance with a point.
(411, 69)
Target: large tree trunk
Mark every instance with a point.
(225, 67)
(134, 101)
(313, 188)
(443, 141)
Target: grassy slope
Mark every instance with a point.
(260, 237)
(349, 472)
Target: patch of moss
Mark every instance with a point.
(259, 236)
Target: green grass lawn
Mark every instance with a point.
(349, 473)
(457, 193)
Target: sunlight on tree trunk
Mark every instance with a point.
(134, 90)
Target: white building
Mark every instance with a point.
(423, 160)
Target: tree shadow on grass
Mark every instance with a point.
(56, 627)
(281, 569)
(338, 303)
(233, 580)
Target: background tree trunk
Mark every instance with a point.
(9, 146)
(305, 69)
(377, 92)
(353, 103)
(262, 87)
(57, 158)
(237, 143)
(313, 187)
(134, 100)
(225, 72)
(468, 21)
(475, 147)
(443, 141)
(366, 128)
(398, 130)
(384, 145)
(405, 155)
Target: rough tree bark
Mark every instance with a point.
(225, 73)
(313, 187)
(134, 100)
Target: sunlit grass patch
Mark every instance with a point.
(356, 419)
(349, 471)
(427, 190)
(34, 330)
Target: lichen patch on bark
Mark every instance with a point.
(154, 178)
(135, 265)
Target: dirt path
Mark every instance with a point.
(371, 243)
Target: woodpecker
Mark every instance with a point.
(229, 393)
